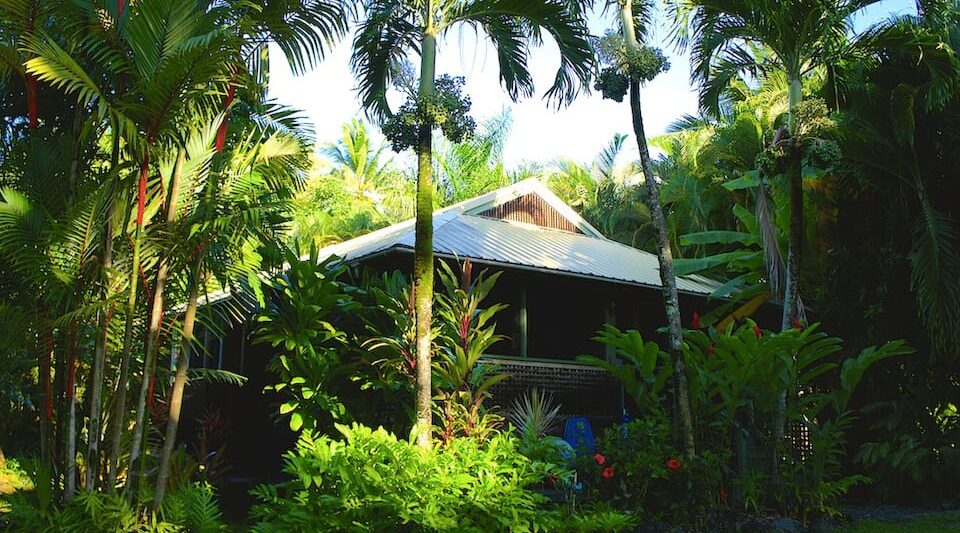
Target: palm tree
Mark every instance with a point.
(233, 213)
(802, 36)
(360, 166)
(473, 166)
(166, 53)
(605, 194)
(629, 63)
(395, 28)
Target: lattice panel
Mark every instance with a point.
(580, 390)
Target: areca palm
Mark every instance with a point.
(395, 28)
(234, 208)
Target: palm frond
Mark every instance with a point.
(504, 20)
(934, 275)
(380, 45)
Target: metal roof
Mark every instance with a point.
(460, 232)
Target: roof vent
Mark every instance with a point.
(532, 209)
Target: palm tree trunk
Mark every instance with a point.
(423, 250)
(100, 347)
(120, 396)
(118, 417)
(70, 435)
(179, 382)
(791, 291)
(156, 312)
(671, 301)
(46, 419)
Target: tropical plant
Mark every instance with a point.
(534, 414)
(190, 508)
(374, 481)
(461, 380)
(474, 165)
(641, 368)
(394, 28)
(737, 377)
(305, 299)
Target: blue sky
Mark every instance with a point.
(540, 133)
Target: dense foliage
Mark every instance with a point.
(151, 195)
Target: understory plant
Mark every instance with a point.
(300, 323)
(190, 507)
(463, 330)
(737, 375)
(735, 378)
(461, 382)
(372, 481)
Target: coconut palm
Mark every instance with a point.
(360, 165)
(395, 28)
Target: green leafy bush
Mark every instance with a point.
(637, 468)
(299, 323)
(192, 508)
(372, 481)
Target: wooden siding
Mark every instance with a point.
(532, 209)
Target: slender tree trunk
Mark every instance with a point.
(423, 250)
(103, 334)
(70, 446)
(120, 397)
(664, 255)
(791, 291)
(46, 418)
(179, 382)
(156, 313)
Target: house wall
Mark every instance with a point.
(562, 314)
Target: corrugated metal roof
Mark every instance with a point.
(459, 232)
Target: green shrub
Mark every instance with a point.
(371, 481)
(637, 468)
(192, 508)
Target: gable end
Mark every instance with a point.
(531, 208)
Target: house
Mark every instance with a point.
(561, 278)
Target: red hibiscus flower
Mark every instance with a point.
(599, 458)
(696, 320)
(795, 323)
(608, 472)
(674, 464)
(757, 331)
